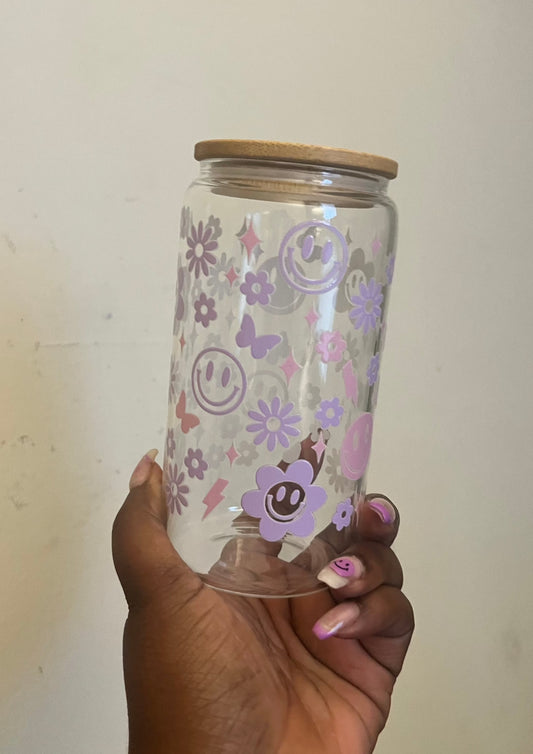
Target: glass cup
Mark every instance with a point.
(285, 263)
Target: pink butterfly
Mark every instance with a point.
(259, 344)
(188, 421)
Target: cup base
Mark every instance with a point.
(251, 567)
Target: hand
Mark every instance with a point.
(207, 671)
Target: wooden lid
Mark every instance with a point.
(287, 152)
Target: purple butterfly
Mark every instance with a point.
(261, 344)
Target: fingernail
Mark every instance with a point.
(142, 471)
(342, 616)
(339, 571)
(384, 509)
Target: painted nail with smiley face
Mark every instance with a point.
(341, 570)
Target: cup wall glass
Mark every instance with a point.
(284, 274)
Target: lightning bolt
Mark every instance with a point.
(214, 496)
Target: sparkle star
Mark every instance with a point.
(319, 448)
(232, 454)
(231, 275)
(376, 245)
(311, 317)
(182, 342)
(290, 367)
(249, 239)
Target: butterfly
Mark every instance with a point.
(260, 344)
(188, 421)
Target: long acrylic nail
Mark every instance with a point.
(337, 573)
(142, 471)
(332, 622)
(384, 509)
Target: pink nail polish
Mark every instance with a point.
(384, 509)
(324, 633)
(142, 471)
(337, 618)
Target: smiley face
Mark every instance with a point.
(317, 263)
(285, 501)
(218, 381)
(356, 445)
(344, 567)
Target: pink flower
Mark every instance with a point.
(331, 346)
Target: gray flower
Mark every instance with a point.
(248, 453)
(292, 454)
(311, 396)
(213, 340)
(351, 352)
(214, 224)
(217, 281)
(230, 426)
(215, 456)
(333, 470)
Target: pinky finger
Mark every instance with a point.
(382, 621)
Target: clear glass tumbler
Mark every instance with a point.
(285, 263)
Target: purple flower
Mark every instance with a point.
(331, 346)
(171, 443)
(200, 247)
(274, 423)
(373, 369)
(175, 489)
(343, 514)
(194, 461)
(389, 272)
(257, 288)
(172, 389)
(329, 414)
(205, 310)
(284, 501)
(181, 284)
(367, 306)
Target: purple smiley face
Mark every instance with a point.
(218, 381)
(306, 270)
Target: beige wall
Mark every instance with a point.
(101, 104)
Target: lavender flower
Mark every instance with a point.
(329, 413)
(284, 501)
(367, 306)
(274, 423)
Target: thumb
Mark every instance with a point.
(146, 562)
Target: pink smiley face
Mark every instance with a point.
(344, 567)
(355, 450)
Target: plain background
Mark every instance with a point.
(101, 104)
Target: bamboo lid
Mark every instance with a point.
(288, 152)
